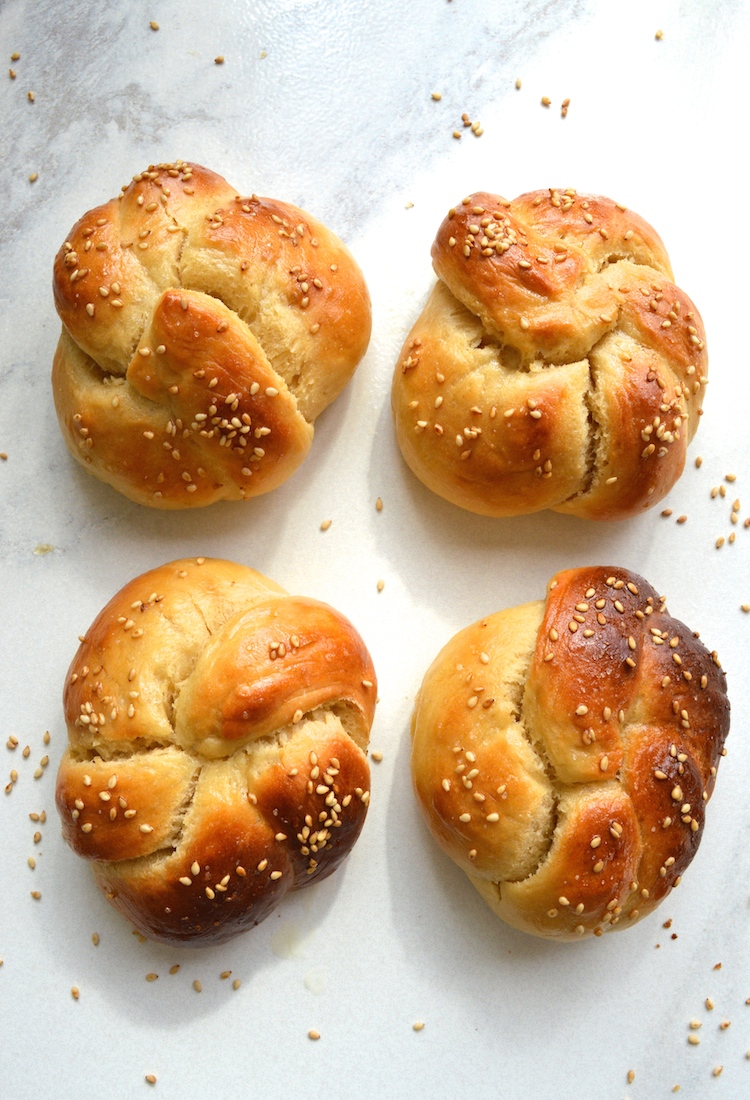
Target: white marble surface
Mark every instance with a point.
(327, 104)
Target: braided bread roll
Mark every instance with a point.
(218, 730)
(203, 333)
(564, 752)
(555, 365)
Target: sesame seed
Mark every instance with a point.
(693, 1040)
(150, 1078)
(197, 986)
(219, 60)
(154, 27)
(74, 992)
(546, 101)
(326, 524)
(313, 1034)
(418, 1025)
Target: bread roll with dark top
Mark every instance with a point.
(563, 753)
(218, 730)
(203, 333)
(555, 365)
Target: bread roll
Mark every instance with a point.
(218, 730)
(564, 752)
(555, 365)
(203, 333)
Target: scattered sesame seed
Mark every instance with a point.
(377, 756)
(326, 524)
(33, 177)
(219, 60)
(659, 35)
(380, 585)
(631, 1076)
(693, 1040)
(698, 461)
(30, 96)
(379, 505)
(717, 1071)
(152, 977)
(95, 939)
(197, 986)
(437, 96)
(418, 1026)
(151, 1077)
(74, 992)
(546, 101)
(313, 1034)
(154, 27)
(236, 983)
(682, 519)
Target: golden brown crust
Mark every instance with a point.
(555, 364)
(563, 753)
(214, 722)
(200, 322)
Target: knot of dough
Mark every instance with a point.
(563, 754)
(555, 364)
(203, 334)
(218, 730)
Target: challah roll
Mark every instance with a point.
(218, 730)
(555, 365)
(564, 751)
(203, 333)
